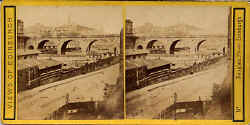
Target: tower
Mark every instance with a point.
(129, 26)
(130, 37)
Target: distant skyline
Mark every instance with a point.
(211, 19)
(104, 18)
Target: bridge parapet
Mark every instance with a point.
(84, 42)
(191, 42)
(87, 36)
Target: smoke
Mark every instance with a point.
(114, 103)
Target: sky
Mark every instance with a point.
(209, 18)
(107, 18)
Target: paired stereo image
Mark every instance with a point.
(74, 62)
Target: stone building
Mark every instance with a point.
(30, 68)
(22, 52)
(28, 72)
(138, 67)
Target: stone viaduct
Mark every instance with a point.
(85, 42)
(194, 43)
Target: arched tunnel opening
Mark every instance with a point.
(47, 47)
(64, 47)
(88, 50)
(151, 43)
(139, 47)
(156, 47)
(172, 47)
(71, 47)
(224, 51)
(31, 47)
(199, 45)
(41, 44)
(101, 48)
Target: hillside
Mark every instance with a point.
(179, 29)
(40, 30)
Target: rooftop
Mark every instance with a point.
(130, 65)
(129, 20)
(153, 63)
(41, 63)
(22, 36)
(44, 63)
(25, 64)
(21, 52)
(150, 63)
(130, 52)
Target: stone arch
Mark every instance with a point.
(224, 51)
(172, 46)
(151, 43)
(139, 47)
(89, 45)
(199, 44)
(30, 47)
(64, 46)
(41, 44)
(115, 51)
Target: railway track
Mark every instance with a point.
(169, 74)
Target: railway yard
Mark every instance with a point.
(148, 102)
(44, 100)
(163, 81)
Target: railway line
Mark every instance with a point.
(66, 73)
(149, 101)
(41, 100)
(155, 77)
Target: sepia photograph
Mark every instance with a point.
(178, 63)
(69, 63)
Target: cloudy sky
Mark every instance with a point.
(213, 19)
(107, 18)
